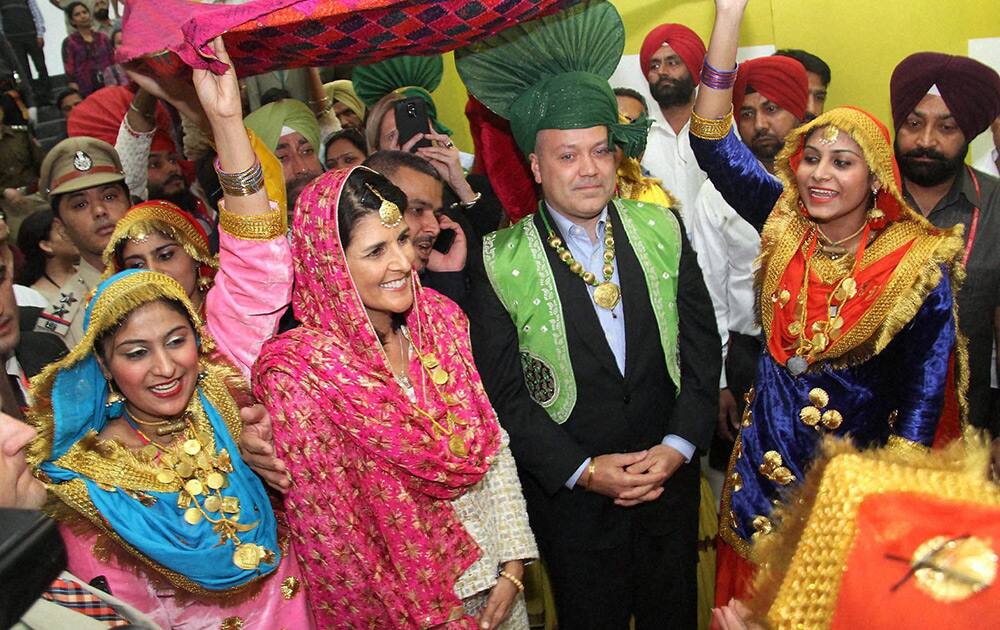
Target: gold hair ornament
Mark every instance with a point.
(388, 212)
(830, 135)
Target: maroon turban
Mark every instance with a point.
(683, 40)
(781, 80)
(970, 89)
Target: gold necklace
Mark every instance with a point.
(439, 376)
(193, 464)
(163, 427)
(835, 249)
(607, 293)
(811, 343)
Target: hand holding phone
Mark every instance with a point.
(411, 120)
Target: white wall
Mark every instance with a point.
(55, 33)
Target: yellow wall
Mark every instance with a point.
(862, 40)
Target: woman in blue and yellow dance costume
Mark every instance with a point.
(855, 297)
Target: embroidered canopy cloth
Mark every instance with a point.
(264, 35)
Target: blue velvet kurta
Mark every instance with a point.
(899, 391)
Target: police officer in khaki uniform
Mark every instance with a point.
(84, 181)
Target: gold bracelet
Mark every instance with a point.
(711, 128)
(256, 227)
(518, 583)
(590, 474)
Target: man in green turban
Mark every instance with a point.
(290, 130)
(595, 336)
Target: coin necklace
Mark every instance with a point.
(200, 474)
(439, 376)
(606, 293)
(812, 341)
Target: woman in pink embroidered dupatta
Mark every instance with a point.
(382, 421)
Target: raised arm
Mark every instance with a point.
(220, 98)
(254, 283)
(721, 55)
(743, 182)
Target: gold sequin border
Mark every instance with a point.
(258, 227)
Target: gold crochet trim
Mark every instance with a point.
(727, 520)
(156, 216)
(711, 128)
(810, 546)
(906, 449)
(113, 305)
(115, 468)
(257, 227)
(917, 274)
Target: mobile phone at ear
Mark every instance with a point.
(411, 119)
(445, 239)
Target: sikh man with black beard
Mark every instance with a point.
(940, 103)
(671, 58)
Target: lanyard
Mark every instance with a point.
(975, 217)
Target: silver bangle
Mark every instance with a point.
(471, 202)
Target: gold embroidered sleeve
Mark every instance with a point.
(256, 227)
(711, 128)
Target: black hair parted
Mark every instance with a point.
(358, 200)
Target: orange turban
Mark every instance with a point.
(683, 40)
(781, 80)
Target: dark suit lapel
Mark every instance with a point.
(577, 305)
(635, 296)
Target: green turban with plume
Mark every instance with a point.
(268, 121)
(552, 73)
(409, 76)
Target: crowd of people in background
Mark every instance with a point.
(278, 357)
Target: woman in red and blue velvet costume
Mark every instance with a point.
(855, 297)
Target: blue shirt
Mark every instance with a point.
(590, 254)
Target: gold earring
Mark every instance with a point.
(113, 396)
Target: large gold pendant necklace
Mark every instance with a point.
(813, 341)
(439, 376)
(606, 293)
(191, 464)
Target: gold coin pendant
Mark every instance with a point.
(246, 556)
(457, 445)
(192, 515)
(439, 376)
(607, 294)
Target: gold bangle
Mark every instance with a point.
(256, 227)
(590, 474)
(711, 128)
(518, 583)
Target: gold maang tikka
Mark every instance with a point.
(388, 212)
(830, 135)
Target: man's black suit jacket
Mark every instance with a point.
(613, 414)
(36, 349)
